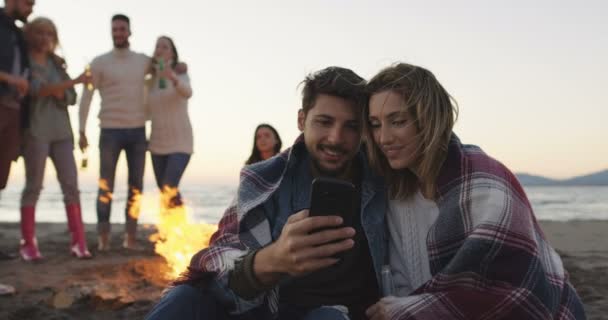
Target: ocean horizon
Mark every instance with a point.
(207, 202)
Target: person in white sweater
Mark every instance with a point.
(463, 241)
(171, 138)
(119, 76)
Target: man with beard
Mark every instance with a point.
(14, 68)
(119, 77)
(269, 257)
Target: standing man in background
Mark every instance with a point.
(119, 77)
(14, 67)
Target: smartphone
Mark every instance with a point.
(333, 197)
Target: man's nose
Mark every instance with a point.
(335, 135)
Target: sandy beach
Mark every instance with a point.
(124, 284)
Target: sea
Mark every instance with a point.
(207, 202)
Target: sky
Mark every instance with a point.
(530, 77)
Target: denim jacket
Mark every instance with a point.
(268, 193)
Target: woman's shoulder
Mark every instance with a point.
(469, 165)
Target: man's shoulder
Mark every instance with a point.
(6, 24)
(102, 57)
(140, 56)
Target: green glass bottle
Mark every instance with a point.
(162, 82)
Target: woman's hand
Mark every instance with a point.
(168, 74)
(382, 309)
(84, 78)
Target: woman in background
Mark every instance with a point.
(171, 138)
(266, 143)
(463, 239)
(49, 135)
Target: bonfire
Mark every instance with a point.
(178, 239)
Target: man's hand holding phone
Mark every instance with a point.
(302, 249)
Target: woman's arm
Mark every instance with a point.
(182, 85)
(58, 89)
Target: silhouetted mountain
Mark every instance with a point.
(593, 179)
(532, 180)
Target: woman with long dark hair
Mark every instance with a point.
(171, 140)
(266, 143)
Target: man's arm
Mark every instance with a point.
(20, 83)
(85, 103)
(298, 251)
(5, 77)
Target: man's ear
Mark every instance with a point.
(301, 119)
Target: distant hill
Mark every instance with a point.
(594, 179)
(532, 180)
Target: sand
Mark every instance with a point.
(123, 284)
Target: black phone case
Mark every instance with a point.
(333, 197)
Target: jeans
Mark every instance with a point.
(111, 143)
(187, 302)
(168, 170)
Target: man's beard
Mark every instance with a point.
(121, 45)
(17, 16)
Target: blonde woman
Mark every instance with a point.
(49, 135)
(463, 239)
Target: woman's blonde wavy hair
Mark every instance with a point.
(433, 112)
(35, 24)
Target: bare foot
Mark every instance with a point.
(103, 242)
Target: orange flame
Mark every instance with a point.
(135, 203)
(106, 195)
(177, 239)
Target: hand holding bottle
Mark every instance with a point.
(88, 77)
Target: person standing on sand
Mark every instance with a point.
(171, 138)
(14, 66)
(49, 135)
(119, 77)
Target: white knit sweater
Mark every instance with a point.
(409, 222)
(119, 77)
(168, 107)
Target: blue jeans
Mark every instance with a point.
(168, 170)
(111, 143)
(187, 302)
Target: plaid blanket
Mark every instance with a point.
(243, 228)
(488, 256)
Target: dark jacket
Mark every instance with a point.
(8, 32)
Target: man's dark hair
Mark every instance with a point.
(333, 81)
(121, 17)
